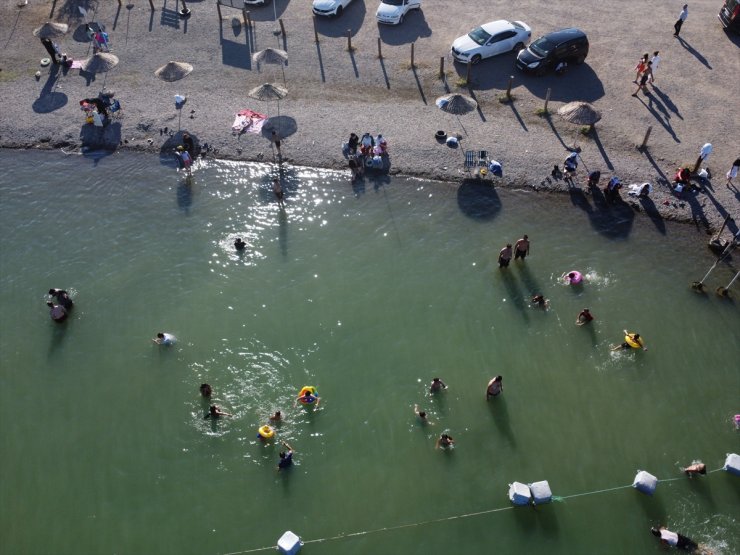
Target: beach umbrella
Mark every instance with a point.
(102, 62)
(580, 113)
(173, 71)
(269, 92)
(456, 104)
(50, 30)
(270, 56)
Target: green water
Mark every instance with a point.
(366, 294)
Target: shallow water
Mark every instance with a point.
(366, 293)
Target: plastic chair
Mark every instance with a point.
(483, 158)
(470, 161)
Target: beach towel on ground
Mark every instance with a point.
(248, 121)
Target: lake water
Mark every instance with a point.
(366, 293)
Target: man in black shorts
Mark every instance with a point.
(504, 257)
(521, 248)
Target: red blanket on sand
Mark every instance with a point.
(248, 121)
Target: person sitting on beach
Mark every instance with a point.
(571, 164)
(444, 441)
(539, 301)
(187, 142)
(367, 144)
(277, 417)
(556, 173)
(57, 312)
(634, 337)
(382, 144)
(206, 390)
(593, 178)
(286, 457)
(163, 338)
(611, 191)
(584, 317)
(62, 298)
(239, 244)
(352, 143)
(215, 413)
(697, 467)
(494, 387)
(437, 385)
(673, 539)
(422, 415)
(504, 256)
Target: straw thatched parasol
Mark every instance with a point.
(580, 113)
(270, 56)
(269, 92)
(173, 71)
(102, 62)
(51, 30)
(457, 104)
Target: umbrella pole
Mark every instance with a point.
(461, 125)
(179, 118)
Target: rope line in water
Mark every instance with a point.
(448, 518)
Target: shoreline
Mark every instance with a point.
(334, 91)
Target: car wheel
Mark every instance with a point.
(339, 11)
(476, 59)
(518, 47)
(400, 19)
(580, 59)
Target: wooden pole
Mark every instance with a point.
(249, 19)
(380, 51)
(508, 88)
(282, 26)
(120, 3)
(218, 8)
(547, 98)
(315, 31)
(412, 55)
(441, 67)
(467, 75)
(647, 136)
(349, 40)
(151, 4)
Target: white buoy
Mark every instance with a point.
(541, 492)
(645, 482)
(519, 493)
(732, 464)
(289, 543)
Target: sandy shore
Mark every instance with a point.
(334, 91)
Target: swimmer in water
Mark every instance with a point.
(437, 385)
(444, 441)
(672, 538)
(421, 414)
(57, 312)
(695, 468)
(62, 298)
(215, 413)
(164, 339)
(494, 387)
(584, 317)
(538, 301)
(568, 277)
(634, 337)
(277, 417)
(286, 457)
(239, 244)
(206, 390)
(307, 398)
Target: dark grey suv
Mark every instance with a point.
(566, 45)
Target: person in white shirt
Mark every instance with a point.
(681, 18)
(165, 339)
(655, 60)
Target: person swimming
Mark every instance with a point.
(697, 467)
(206, 390)
(494, 387)
(239, 244)
(57, 312)
(62, 298)
(277, 417)
(163, 338)
(286, 457)
(215, 413)
(437, 385)
(584, 317)
(445, 441)
(539, 301)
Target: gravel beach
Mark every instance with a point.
(333, 91)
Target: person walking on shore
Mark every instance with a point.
(504, 257)
(704, 153)
(644, 79)
(732, 174)
(641, 65)
(654, 61)
(521, 248)
(681, 18)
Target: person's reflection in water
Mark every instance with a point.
(283, 232)
(185, 195)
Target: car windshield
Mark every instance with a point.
(479, 36)
(542, 47)
(393, 2)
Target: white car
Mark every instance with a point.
(491, 39)
(392, 11)
(329, 8)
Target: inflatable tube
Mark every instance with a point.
(265, 432)
(307, 389)
(576, 279)
(631, 342)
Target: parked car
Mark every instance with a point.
(329, 7)
(491, 39)
(255, 2)
(393, 11)
(729, 15)
(566, 45)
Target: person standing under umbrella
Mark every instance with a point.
(52, 49)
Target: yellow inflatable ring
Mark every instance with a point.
(631, 342)
(307, 389)
(266, 432)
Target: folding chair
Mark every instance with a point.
(115, 109)
(470, 161)
(483, 158)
